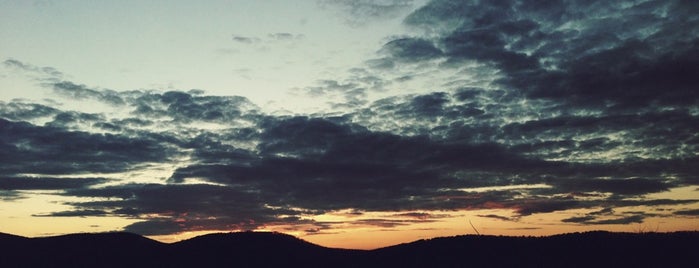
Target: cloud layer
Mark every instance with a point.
(592, 103)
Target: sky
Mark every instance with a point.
(354, 124)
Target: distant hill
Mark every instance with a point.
(263, 249)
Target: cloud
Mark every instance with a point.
(690, 212)
(630, 186)
(590, 220)
(272, 37)
(48, 72)
(74, 213)
(361, 12)
(410, 49)
(9, 196)
(71, 90)
(285, 36)
(594, 101)
(23, 111)
(419, 215)
(186, 207)
(352, 93)
(54, 150)
(307, 165)
(575, 52)
(388, 223)
(42, 183)
(497, 217)
(245, 39)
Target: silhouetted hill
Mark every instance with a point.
(255, 249)
(261, 249)
(590, 249)
(82, 250)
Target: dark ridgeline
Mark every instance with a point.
(258, 249)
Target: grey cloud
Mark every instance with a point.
(690, 212)
(50, 72)
(245, 39)
(603, 211)
(272, 37)
(628, 55)
(9, 195)
(156, 227)
(581, 219)
(186, 207)
(361, 12)
(382, 63)
(497, 217)
(411, 49)
(21, 111)
(546, 205)
(591, 220)
(72, 90)
(301, 158)
(285, 36)
(68, 119)
(46, 183)
(54, 150)
(388, 223)
(623, 220)
(419, 215)
(324, 163)
(352, 93)
(74, 213)
(584, 90)
(176, 105)
(632, 186)
(183, 106)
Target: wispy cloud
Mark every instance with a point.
(361, 12)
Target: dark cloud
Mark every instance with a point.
(388, 223)
(590, 220)
(581, 219)
(42, 183)
(71, 119)
(594, 101)
(497, 217)
(55, 150)
(690, 212)
(72, 90)
(418, 215)
(410, 49)
(546, 205)
(183, 106)
(308, 165)
(187, 207)
(632, 186)
(74, 213)
(619, 55)
(22, 111)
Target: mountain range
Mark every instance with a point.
(267, 249)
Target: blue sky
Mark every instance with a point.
(258, 49)
(342, 121)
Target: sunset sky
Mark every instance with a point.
(354, 124)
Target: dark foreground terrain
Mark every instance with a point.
(257, 249)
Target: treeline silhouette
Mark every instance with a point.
(265, 249)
